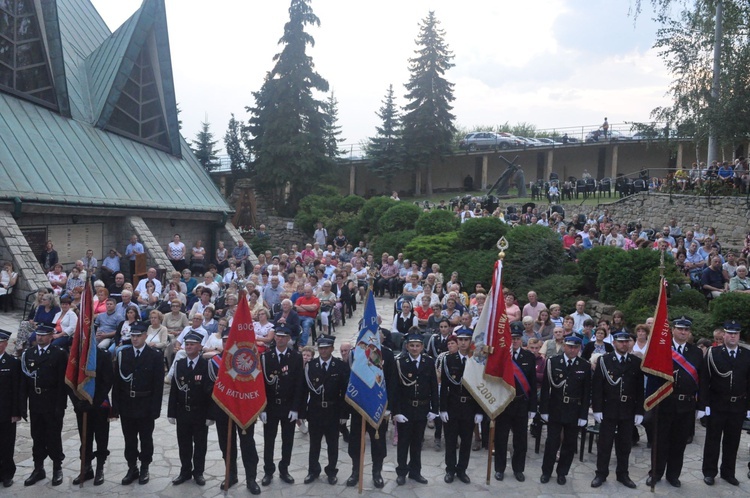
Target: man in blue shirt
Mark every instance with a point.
(131, 251)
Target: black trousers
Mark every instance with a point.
(192, 442)
(7, 447)
(327, 426)
(438, 428)
(723, 431)
(133, 430)
(270, 429)
(97, 429)
(569, 435)
(410, 435)
(455, 429)
(378, 448)
(518, 423)
(247, 446)
(673, 430)
(617, 432)
(46, 433)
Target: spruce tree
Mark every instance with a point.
(428, 122)
(204, 148)
(233, 145)
(332, 130)
(385, 150)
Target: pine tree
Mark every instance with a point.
(234, 147)
(286, 126)
(203, 148)
(332, 130)
(385, 150)
(428, 122)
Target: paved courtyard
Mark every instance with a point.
(166, 465)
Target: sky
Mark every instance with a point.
(552, 63)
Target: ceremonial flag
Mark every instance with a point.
(492, 393)
(366, 391)
(657, 362)
(499, 363)
(239, 389)
(80, 374)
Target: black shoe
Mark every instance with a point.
(267, 478)
(499, 476)
(232, 481)
(180, 479)
(310, 478)
(99, 476)
(597, 482)
(332, 480)
(131, 476)
(57, 477)
(419, 479)
(253, 487)
(7, 482)
(626, 481)
(731, 480)
(448, 478)
(87, 476)
(519, 476)
(651, 482)
(544, 479)
(561, 480)
(689, 440)
(648, 445)
(36, 476)
(709, 480)
(144, 477)
(401, 480)
(200, 480)
(674, 482)
(352, 481)
(463, 477)
(286, 478)
(377, 480)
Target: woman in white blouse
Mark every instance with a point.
(65, 324)
(264, 331)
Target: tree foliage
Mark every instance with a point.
(385, 149)
(233, 145)
(204, 148)
(332, 130)
(436, 221)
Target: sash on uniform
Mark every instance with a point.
(521, 379)
(686, 365)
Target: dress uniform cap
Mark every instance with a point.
(463, 332)
(621, 336)
(44, 329)
(138, 328)
(682, 322)
(573, 340)
(414, 338)
(4, 335)
(282, 330)
(326, 341)
(193, 336)
(516, 329)
(732, 327)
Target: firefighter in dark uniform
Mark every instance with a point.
(189, 400)
(458, 410)
(437, 345)
(564, 405)
(284, 379)
(725, 399)
(12, 408)
(247, 437)
(136, 399)
(416, 402)
(516, 415)
(617, 401)
(97, 423)
(377, 443)
(677, 411)
(326, 380)
(44, 367)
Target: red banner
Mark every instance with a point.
(80, 373)
(657, 362)
(239, 389)
(499, 360)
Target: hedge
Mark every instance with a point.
(436, 221)
(402, 216)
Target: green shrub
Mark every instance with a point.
(703, 325)
(371, 212)
(535, 252)
(561, 289)
(391, 242)
(640, 304)
(589, 262)
(689, 298)
(402, 216)
(623, 272)
(351, 204)
(472, 267)
(481, 233)
(333, 210)
(436, 221)
(731, 306)
(434, 248)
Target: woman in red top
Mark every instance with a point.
(423, 312)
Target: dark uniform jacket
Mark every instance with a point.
(725, 382)
(566, 392)
(104, 380)
(527, 363)
(284, 385)
(417, 388)
(139, 384)
(45, 382)
(12, 401)
(325, 390)
(190, 394)
(624, 399)
(684, 396)
(454, 397)
(436, 345)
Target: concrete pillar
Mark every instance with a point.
(550, 163)
(352, 180)
(485, 167)
(679, 156)
(615, 150)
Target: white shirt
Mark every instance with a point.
(136, 351)
(141, 287)
(200, 330)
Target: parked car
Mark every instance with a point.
(548, 142)
(487, 140)
(528, 142)
(612, 136)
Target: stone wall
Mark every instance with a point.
(14, 248)
(150, 236)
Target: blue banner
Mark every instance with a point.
(366, 391)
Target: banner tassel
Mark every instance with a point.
(377, 433)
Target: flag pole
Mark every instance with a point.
(228, 462)
(490, 448)
(655, 431)
(362, 454)
(84, 425)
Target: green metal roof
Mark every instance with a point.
(47, 157)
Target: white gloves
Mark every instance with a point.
(387, 413)
(598, 417)
(292, 416)
(343, 421)
(431, 416)
(444, 417)
(172, 420)
(209, 423)
(699, 414)
(708, 411)
(748, 414)
(400, 419)
(478, 418)
(531, 415)
(638, 419)
(545, 417)
(263, 417)
(581, 422)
